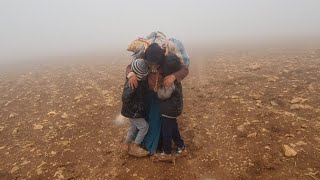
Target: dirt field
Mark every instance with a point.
(57, 120)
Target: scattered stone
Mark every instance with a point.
(242, 126)
(1, 128)
(311, 88)
(252, 135)
(37, 126)
(289, 135)
(273, 103)
(52, 113)
(255, 96)
(299, 106)
(53, 153)
(15, 131)
(64, 116)
(301, 143)
(78, 97)
(297, 100)
(7, 103)
(288, 151)
(273, 79)
(25, 162)
(14, 169)
(234, 97)
(267, 148)
(254, 67)
(264, 130)
(304, 126)
(289, 114)
(39, 171)
(2, 147)
(64, 143)
(13, 115)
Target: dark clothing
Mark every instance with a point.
(174, 105)
(133, 100)
(170, 131)
(180, 74)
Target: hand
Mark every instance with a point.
(169, 80)
(133, 80)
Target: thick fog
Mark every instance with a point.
(34, 28)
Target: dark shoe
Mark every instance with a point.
(182, 151)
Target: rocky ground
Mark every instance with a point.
(247, 115)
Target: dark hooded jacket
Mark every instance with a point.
(172, 106)
(133, 100)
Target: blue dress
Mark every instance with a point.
(151, 140)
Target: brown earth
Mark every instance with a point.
(58, 119)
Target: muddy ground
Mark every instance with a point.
(247, 115)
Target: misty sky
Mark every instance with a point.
(48, 27)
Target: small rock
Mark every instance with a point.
(234, 97)
(13, 115)
(64, 116)
(78, 97)
(301, 143)
(288, 151)
(304, 126)
(14, 169)
(289, 135)
(297, 100)
(273, 79)
(37, 126)
(254, 67)
(1, 128)
(39, 171)
(135, 175)
(15, 131)
(53, 153)
(25, 162)
(311, 88)
(252, 135)
(52, 113)
(7, 103)
(289, 114)
(273, 103)
(64, 143)
(299, 106)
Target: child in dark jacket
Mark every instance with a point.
(133, 108)
(171, 106)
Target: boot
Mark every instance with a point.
(137, 151)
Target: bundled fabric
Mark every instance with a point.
(139, 46)
(176, 47)
(172, 46)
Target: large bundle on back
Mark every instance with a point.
(172, 46)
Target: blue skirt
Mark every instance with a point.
(152, 108)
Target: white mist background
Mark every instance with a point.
(34, 28)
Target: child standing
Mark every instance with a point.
(171, 106)
(133, 108)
